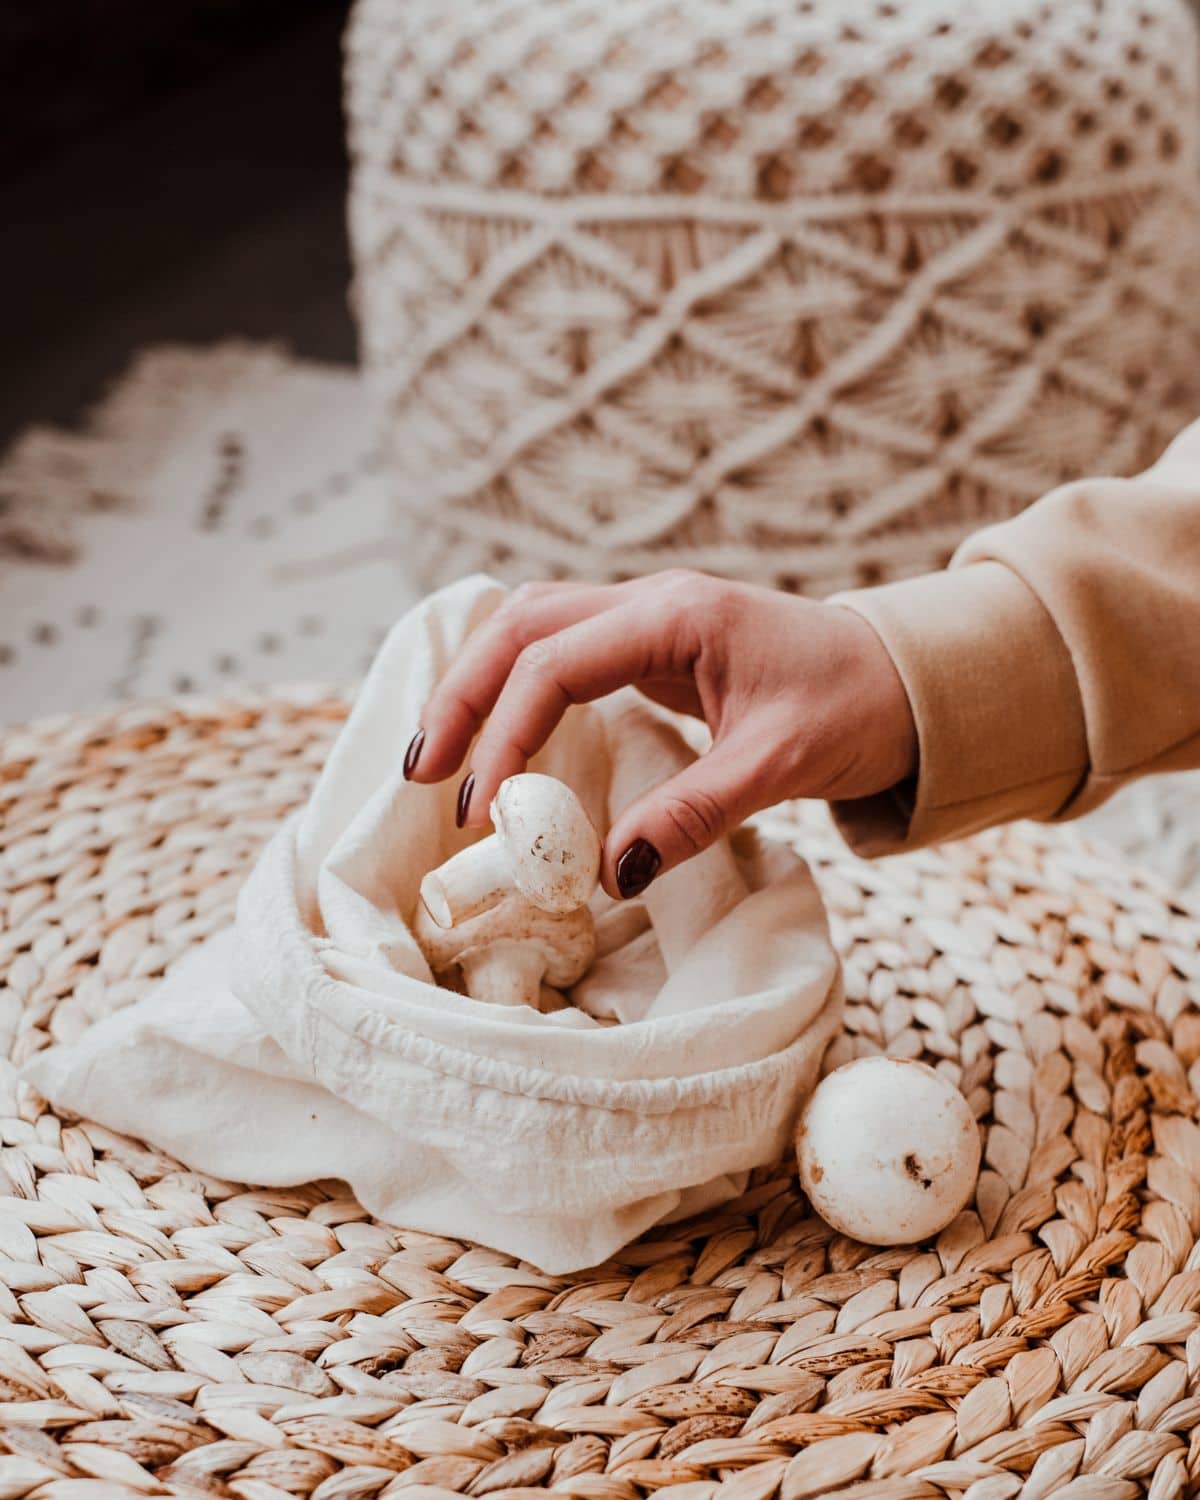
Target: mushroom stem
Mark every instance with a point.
(508, 972)
(506, 952)
(469, 882)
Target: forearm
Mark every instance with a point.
(1054, 661)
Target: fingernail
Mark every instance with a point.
(637, 867)
(413, 754)
(464, 799)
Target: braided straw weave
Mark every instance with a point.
(165, 1333)
(801, 291)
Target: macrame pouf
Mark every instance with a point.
(166, 1333)
(801, 291)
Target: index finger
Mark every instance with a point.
(588, 660)
(469, 689)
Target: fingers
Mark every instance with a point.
(588, 660)
(467, 693)
(685, 814)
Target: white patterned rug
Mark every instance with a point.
(221, 522)
(218, 522)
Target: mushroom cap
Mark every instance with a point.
(567, 943)
(888, 1150)
(551, 844)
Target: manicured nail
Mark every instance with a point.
(464, 799)
(637, 867)
(413, 754)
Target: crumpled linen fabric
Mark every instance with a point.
(309, 1040)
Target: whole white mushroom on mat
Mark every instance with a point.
(510, 912)
(888, 1150)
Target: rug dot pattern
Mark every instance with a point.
(165, 1333)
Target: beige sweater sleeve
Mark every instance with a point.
(1056, 659)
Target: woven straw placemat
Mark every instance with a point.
(165, 1333)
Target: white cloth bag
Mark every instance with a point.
(310, 1041)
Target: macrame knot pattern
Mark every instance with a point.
(798, 291)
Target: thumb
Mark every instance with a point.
(685, 815)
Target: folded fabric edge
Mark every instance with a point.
(225, 1143)
(308, 997)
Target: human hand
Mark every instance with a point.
(802, 700)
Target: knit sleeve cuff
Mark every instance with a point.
(999, 718)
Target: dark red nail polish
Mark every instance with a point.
(637, 867)
(413, 754)
(464, 799)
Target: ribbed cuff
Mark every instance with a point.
(999, 719)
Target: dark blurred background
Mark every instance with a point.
(168, 171)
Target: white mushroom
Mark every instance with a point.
(507, 952)
(888, 1151)
(544, 846)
